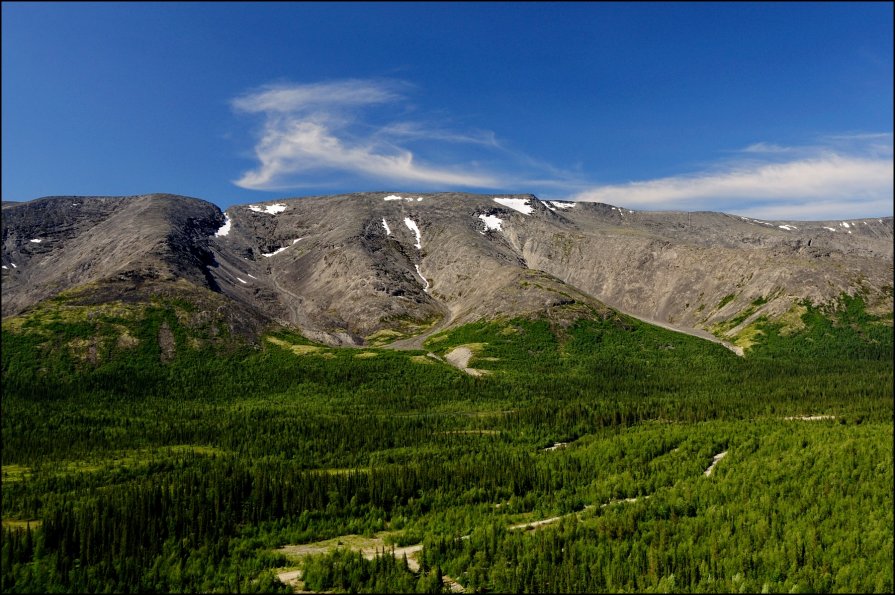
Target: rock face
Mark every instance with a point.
(344, 269)
(62, 242)
(120, 248)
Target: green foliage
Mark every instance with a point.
(843, 334)
(725, 300)
(346, 571)
(186, 473)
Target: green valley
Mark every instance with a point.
(143, 451)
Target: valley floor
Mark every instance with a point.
(596, 455)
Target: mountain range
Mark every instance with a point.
(380, 268)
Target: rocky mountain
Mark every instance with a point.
(372, 268)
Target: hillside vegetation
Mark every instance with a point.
(145, 449)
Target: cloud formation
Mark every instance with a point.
(285, 99)
(316, 128)
(339, 129)
(806, 183)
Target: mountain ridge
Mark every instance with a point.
(378, 267)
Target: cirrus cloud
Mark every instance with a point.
(314, 128)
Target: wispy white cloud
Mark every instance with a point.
(314, 128)
(818, 210)
(296, 145)
(285, 99)
(820, 182)
(767, 148)
(418, 130)
(862, 136)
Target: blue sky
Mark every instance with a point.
(773, 110)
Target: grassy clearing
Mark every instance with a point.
(296, 349)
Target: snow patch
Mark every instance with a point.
(240, 280)
(35, 240)
(295, 241)
(563, 205)
(74, 204)
(492, 222)
(845, 225)
(268, 255)
(830, 228)
(426, 281)
(787, 227)
(225, 228)
(388, 230)
(269, 209)
(411, 225)
(517, 204)
(4, 266)
(253, 277)
(13, 265)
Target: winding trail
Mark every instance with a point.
(685, 330)
(693, 332)
(536, 524)
(416, 342)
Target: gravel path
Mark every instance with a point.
(715, 460)
(417, 341)
(459, 358)
(693, 332)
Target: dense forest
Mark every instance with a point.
(593, 453)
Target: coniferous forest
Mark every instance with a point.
(592, 453)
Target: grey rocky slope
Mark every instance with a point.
(118, 248)
(371, 267)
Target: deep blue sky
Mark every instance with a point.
(769, 109)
